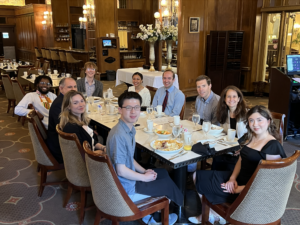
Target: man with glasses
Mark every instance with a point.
(41, 100)
(65, 85)
(138, 182)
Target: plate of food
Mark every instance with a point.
(114, 101)
(215, 130)
(163, 133)
(166, 146)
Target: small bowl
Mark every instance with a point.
(164, 136)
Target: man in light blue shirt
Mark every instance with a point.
(169, 97)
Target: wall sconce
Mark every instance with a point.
(164, 3)
(47, 19)
(157, 16)
(88, 13)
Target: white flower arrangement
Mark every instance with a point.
(149, 34)
(170, 33)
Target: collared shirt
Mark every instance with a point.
(120, 149)
(207, 109)
(175, 100)
(89, 88)
(34, 99)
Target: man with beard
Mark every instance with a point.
(41, 100)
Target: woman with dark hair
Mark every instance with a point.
(231, 114)
(137, 81)
(73, 119)
(261, 142)
(231, 110)
(89, 84)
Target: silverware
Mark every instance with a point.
(178, 156)
(197, 130)
(177, 153)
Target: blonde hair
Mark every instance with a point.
(66, 116)
(90, 65)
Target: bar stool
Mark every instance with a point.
(73, 64)
(44, 55)
(38, 54)
(48, 54)
(63, 60)
(55, 59)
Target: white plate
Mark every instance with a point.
(235, 141)
(215, 132)
(159, 115)
(147, 131)
(164, 152)
(163, 136)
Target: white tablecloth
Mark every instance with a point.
(152, 79)
(145, 139)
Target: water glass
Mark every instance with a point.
(176, 131)
(105, 95)
(90, 100)
(84, 95)
(49, 71)
(63, 74)
(196, 119)
(149, 110)
(206, 127)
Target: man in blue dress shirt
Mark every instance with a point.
(169, 97)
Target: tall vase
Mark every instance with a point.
(151, 55)
(169, 53)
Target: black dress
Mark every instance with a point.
(208, 182)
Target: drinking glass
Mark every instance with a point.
(149, 111)
(40, 72)
(20, 62)
(84, 95)
(49, 71)
(90, 100)
(176, 131)
(196, 119)
(63, 74)
(105, 95)
(206, 127)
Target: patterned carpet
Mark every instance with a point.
(19, 203)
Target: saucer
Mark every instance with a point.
(235, 141)
(159, 115)
(147, 131)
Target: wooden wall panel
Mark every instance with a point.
(214, 15)
(106, 17)
(77, 3)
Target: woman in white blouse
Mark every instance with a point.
(137, 80)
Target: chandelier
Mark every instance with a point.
(88, 16)
(168, 13)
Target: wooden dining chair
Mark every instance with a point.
(9, 93)
(278, 119)
(21, 69)
(19, 94)
(76, 172)
(63, 60)
(46, 161)
(46, 66)
(109, 196)
(264, 198)
(37, 63)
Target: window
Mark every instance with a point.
(5, 35)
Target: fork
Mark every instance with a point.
(177, 153)
(177, 156)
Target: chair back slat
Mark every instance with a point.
(264, 198)
(48, 54)
(73, 156)
(108, 193)
(18, 91)
(8, 87)
(44, 53)
(37, 52)
(46, 66)
(54, 55)
(278, 119)
(41, 151)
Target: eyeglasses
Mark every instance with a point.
(90, 69)
(129, 108)
(44, 83)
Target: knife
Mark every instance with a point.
(178, 156)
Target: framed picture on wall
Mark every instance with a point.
(194, 25)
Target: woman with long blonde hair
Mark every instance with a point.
(73, 119)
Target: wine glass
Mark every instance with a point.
(149, 110)
(196, 119)
(176, 131)
(40, 72)
(206, 127)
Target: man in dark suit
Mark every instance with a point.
(65, 85)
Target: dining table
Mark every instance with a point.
(150, 78)
(179, 164)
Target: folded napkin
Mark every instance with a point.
(203, 150)
(59, 76)
(29, 76)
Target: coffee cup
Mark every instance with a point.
(55, 71)
(112, 109)
(25, 73)
(158, 109)
(176, 120)
(150, 125)
(33, 76)
(231, 134)
(68, 75)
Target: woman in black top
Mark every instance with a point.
(73, 119)
(261, 142)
